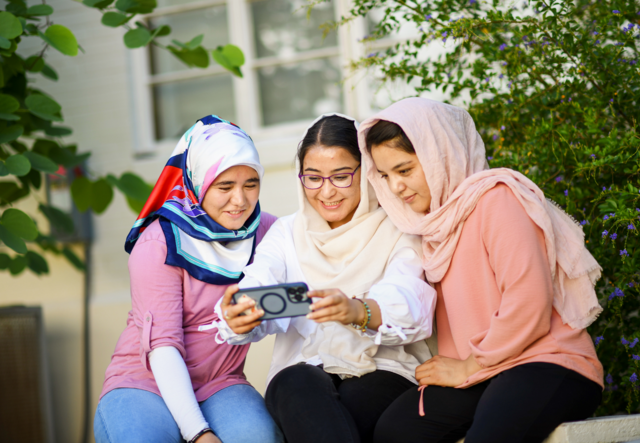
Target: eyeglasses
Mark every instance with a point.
(341, 180)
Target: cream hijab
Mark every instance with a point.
(352, 258)
(452, 155)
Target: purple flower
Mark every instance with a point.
(444, 34)
(608, 378)
(471, 2)
(613, 236)
(593, 156)
(599, 339)
(633, 378)
(503, 46)
(611, 101)
(504, 63)
(495, 137)
(597, 42)
(615, 11)
(606, 217)
(595, 32)
(489, 158)
(569, 98)
(634, 342)
(631, 227)
(604, 188)
(624, 341)
(558, 179)
(373, 54)
(583, 222)
(617, 292)
(624, 253)
(501, 76)
(502, 127)
(605, 233)
(566, 193)
(635, 357)
(486, 79)
(428, 17)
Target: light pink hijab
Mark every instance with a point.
(452, 156)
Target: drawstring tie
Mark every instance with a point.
(421, 405)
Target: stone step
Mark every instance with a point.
(613, 429)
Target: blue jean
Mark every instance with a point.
(236, 414)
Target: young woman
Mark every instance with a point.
(515, 285)
(335, 371)
(167, 380)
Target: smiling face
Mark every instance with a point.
(404, 175)
(335, 205)
(233, 196)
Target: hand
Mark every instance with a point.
(335, 306)
(209, 437)
(240, 324)
(444, 371)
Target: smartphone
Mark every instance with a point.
(277, 301)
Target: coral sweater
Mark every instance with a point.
(495, 301)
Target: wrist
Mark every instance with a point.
(359, 311)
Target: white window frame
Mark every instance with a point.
(269, 139)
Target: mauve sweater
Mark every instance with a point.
(495, 301)
(168, 305)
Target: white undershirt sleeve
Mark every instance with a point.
(174, 383)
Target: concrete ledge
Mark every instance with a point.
(613, 429)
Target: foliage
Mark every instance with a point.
(554, 89)
(31, 140)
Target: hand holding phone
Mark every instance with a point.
(277, 301)
(240, 324)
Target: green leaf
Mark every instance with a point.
(220, 56)
(163, 30)
(4, 43)
(58, 131)
(10, 133)
(48, 72)
(8, 104)
(99, 4)
(9, 117)
(81, 192)
(73, 258)
(40, 10)
(37, 263)
(135, 205)
(102, 194)
(44, 107)
(136, 6)
(35, 63)
(194, 42)
(41, 163)
(114, 19)
(61, 38)
(133, 186)
(4, 171)
(18, 165)
(57, 218)
(19, 224)
(12, 241)
(137, 38)
(10, 26)
(197, 57)
(67, 158)
(18, 264)
(5, 261)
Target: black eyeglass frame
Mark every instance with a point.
(301, 177)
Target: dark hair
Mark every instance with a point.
(385, 131)
(330, 131)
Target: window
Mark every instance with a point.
(291, 72)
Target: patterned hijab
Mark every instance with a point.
(195, 242)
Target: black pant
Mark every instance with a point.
(522, 404)
(311, 406)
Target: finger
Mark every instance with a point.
(327, 314)
(233, 311)
(323, 293)
(243, 320)
(228, 293)
(329, 300)
(423, 382)
(247, 328)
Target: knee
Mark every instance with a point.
(296, 378)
